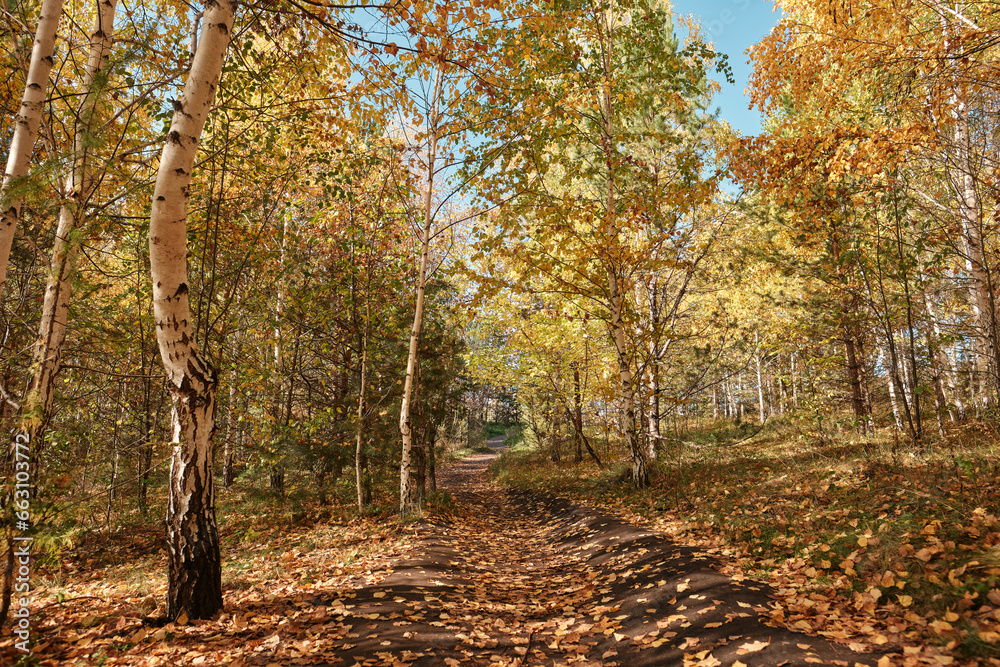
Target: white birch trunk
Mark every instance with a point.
(970, 215)
(640, 475)
(194, 563)
(26, 123)
(653, 374)
(59, 285)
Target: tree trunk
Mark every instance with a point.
(760, 381)
(194, 562)
(409, 494)
(360, 459)
(26, 123)
(944, 369)
(277, 476)
(893, 399)
(640, 474)
(36, 408)
(554, 435)
(795, 384)
(432, 484)
(52, 326)
(228, 459)
(980, 287)
(848, 309)
(578, 415)
(576, 418)
(940, 398)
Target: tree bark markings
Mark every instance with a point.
(26, 124)
(194, 561)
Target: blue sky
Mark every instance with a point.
(733, 25)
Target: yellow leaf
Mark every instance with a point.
(753, 647)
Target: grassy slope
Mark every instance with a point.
(865, 542)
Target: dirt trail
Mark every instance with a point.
(516, 579)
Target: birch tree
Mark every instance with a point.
(26, 128)
(78, 186)
(194, 561)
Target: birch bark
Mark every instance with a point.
(640, 474)
(194, 562)
(59, 285)
(26, 123)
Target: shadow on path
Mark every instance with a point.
(514, 578)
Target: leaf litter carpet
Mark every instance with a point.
(517, 579)
(505, 578)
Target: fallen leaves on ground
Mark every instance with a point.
(507, 579)
(888, 552)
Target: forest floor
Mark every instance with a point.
(859, 539)
(493, 578)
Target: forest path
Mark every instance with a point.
(515, 579)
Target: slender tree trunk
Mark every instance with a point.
(55, 306)
(228, 459)
(409, 495)
(115, 458)
(795, 384)
(554, 434)
(26, 124)
(945, 369)
(577, 417)
(653, 410)
(577, 414)
(970, 211)
(432, 484)
(940, 397)
(616, 297)
(848, 310)
(36, 407)
(360, 459)
(893, 399)
(280, 371)
(640, 475)
(194, 562)
(760, 381)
